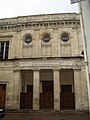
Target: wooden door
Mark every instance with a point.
(67, 100)
(47, 96)
(26, 99)
(23, 100)
(2, 95)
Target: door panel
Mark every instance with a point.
(46, 100)
(66, 88)
(2, 95)
(23, 100)
(26, 99)
(29, 98)
(47, 96)
(67, 100)
(47, 86)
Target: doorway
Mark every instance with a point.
(47, 93)
(2, 95)
(67, 99)
(26, 95)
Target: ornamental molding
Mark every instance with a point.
(43, 64)
(39, 25)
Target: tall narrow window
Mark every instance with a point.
(4, 47)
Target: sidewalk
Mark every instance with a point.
(46, 115)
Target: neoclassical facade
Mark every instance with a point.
(41, 63)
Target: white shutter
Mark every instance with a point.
(4, 50)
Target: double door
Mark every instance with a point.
(47, 96)
(67, 100)
(26, 99)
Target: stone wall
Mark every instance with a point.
(14, 30)
(37, 55)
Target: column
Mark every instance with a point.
(84, 89)
(16, 89)
(56, 90)
(77, 85)
(36, 89)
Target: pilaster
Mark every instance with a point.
(16, 89)
(77, 85)
(56, 90)
(36, 89)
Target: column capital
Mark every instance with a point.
(16, 70)
(75, 68)
(36, 69)
(56, 69)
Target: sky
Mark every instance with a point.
(14, 8)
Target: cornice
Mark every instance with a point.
(38, 25)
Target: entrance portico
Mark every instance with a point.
(47, 89)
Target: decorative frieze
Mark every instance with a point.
(47, 24)
(61, 63)
(40, 21)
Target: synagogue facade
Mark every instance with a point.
(41, 63)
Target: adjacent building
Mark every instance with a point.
(41, 63)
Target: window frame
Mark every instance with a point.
(28, 36)
(4, 50)
(45, 36)
(65, 34)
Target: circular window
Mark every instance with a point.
(65, 37)
(28, 39)
(46, 38)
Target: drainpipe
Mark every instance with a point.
(85, 54)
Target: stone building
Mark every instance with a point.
(41, 63)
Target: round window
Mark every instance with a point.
(28, 39)
(65, 37)
(46, 38)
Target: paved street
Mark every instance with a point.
(46, 115)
